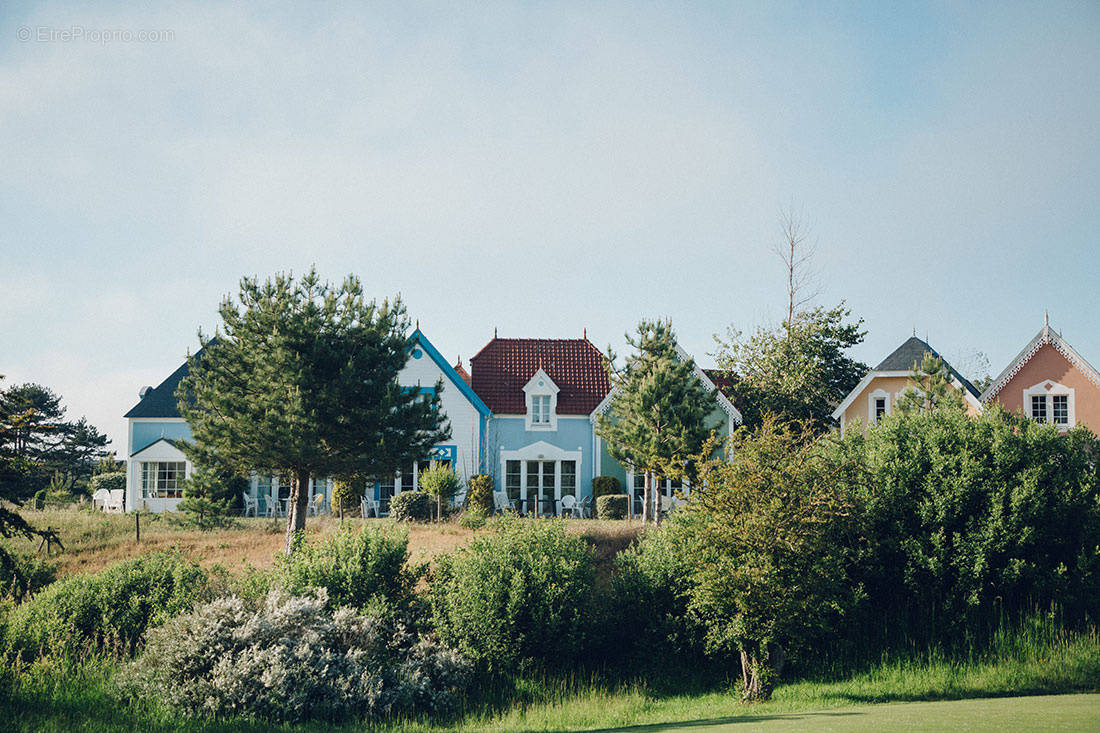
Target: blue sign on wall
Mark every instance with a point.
(444, 453)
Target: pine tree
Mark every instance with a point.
(934, 391)
(657, 420)
(302, 381)
(209, 495)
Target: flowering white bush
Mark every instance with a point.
(291, 660)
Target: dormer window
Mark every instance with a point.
(542, 402)
(540, 409)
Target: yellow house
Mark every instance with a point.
(879, 391)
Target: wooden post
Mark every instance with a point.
(137, 527)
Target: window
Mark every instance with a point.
(568, 477)
(1039, 408)
(163, 480)
(540, 409)
(386, 487)
(512, 478)
(408, 479)
(1061, 409)
(880, 407)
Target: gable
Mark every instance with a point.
(1047, 364)
(425, 364)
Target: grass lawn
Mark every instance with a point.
(1048, 712)
(94, 540)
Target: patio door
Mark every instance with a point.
(540, 485)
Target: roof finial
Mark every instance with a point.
(494, 331)
(914, 331)
(586, 332)
(460, 359)
(417, 324)
(1046, 318)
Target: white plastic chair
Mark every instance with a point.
(316, 505)
(501, 502)
(569, 504)
(251, 505)
(100, 499)
(115, 501)
(367, 505)
(584, 508)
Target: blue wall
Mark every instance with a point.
(510, 433)
(147, 433)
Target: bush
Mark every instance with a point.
(210, 494)
(362, 568)
(473, 518)
(967, 518)
(107, 481)
(109, 609)
(411, 506)
(520, 596)
(292, 660)
(28, 574)
(604, 485)
(480, 493)
(612, 506)
(345, 496)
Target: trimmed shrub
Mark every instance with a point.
(612, 506)
(345, 496)
(292, 660)
(411, 506)
(362, 568)
(480, 493)
(521, 596)
(604, 485)
(108, 481)
(110, 609)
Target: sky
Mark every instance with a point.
(542, 169)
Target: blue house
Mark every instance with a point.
(524, 413)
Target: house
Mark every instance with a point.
(156, 466)
(546, 396)
(1049, 382)
(878, 392)
(525, 412)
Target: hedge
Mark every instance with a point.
(612, 506)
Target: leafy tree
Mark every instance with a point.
(768, 534)
(657, 420)
(441, 483)
(798, 371)
(933, 388)
(302, 381)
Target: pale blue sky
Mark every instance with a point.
(543, 168)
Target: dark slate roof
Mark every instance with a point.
(500, 370)
(910, 354)
(161, 400)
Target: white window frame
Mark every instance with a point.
(878, 394)
(1048, 388)
(541, 385)
(542, 452)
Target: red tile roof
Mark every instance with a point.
(462, 372)
(501, 369)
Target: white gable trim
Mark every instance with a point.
(1045, 336)
(541, 385)
(858, 390)
(160, 449)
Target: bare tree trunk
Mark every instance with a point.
(296, 515)
(760, 669)
(646, 497)
(658, 494)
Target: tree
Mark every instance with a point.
(768, 535)
(44, 443)
(13, 472)
(440, 483)
(933, 388)
(302, 381)
(657, 420)
(798, 371)
(209, 495)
